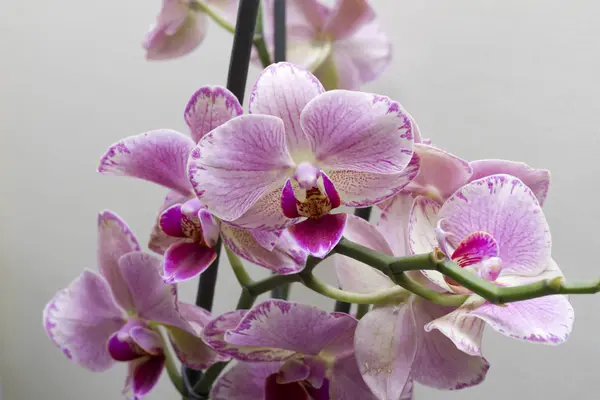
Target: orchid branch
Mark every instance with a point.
(171, 366)
(205, 8)
(396, 268)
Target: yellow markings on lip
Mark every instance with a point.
(316, 204)
(192, 229)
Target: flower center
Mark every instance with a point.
(316, 204)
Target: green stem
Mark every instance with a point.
(203, 7)
(246, 300)
(362, 310)
(203, 387)
(259, 287)
(435, 297)
(238, 268)
(171, 365)
(259, 41)
(385, 296)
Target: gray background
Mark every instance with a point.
(513, 79)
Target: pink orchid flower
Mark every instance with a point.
(440, 175)
(343, 46)
(180, 27)
(289, 350)
(495, 227)
(186, 232)
(114, 316)
(391, 345)
(301, 153)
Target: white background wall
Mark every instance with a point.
(514, 79)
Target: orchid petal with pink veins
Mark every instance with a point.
(239, 162)
(154, 300)
(81, 319)
(294, 327)
(463, 329)
(267, 239)
(547, 320)
(475, 248)
(538, 180)
(283, 90)
(505, 208)
(177, 31)
(285, 258)
(158, 156)
(358, 131)
(209, 107)
(114, 240)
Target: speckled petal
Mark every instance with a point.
(362, 189)
(275, 330)
(285, 258)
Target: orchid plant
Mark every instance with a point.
(458, 245)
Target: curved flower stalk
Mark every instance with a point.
(343, 46)
(391, 345)
(495, 227)
(114, 316)
(186, 232)
(181, 27)
(286, 350)
(301, 153)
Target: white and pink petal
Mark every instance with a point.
(114, 240)
(358, 131)
(439, 363)
(81, 319)
(283, 328)
(538, 180)
(239, 162)
(158, 156)
(283, 90)
(386, 345)
(504, 207)
(209, 107)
